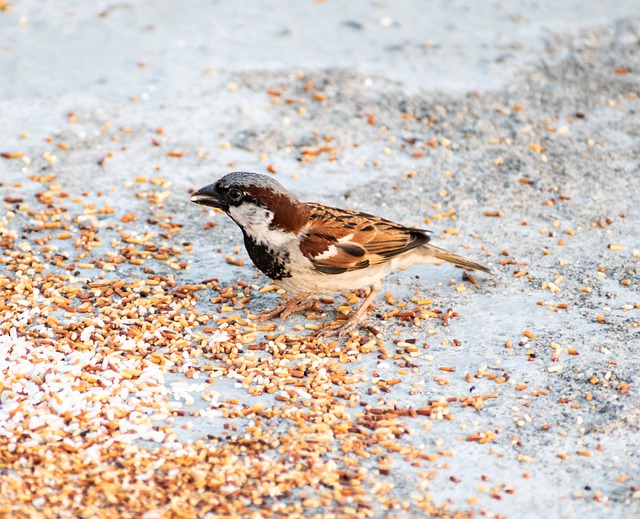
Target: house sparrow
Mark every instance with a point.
(309, 249)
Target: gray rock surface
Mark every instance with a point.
(526, 110)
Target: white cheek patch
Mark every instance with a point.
(251, 216)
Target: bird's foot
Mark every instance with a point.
(290, 307)
(343, 327)
(356, 319)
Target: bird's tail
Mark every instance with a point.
(439, 254)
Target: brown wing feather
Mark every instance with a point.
(371, 240)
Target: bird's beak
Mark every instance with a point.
(208, 196)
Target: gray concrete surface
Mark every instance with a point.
(532, 108)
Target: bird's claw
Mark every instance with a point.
(290, 307)
(270, 314)
(341, 329)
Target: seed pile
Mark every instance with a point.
(104, 372)
(98, 366)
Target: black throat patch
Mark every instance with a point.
(271, 263)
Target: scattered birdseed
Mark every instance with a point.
(131, 382)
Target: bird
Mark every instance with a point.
(309, 249)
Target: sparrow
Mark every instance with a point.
(310, 249)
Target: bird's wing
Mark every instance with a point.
(339, 240)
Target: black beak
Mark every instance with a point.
(208, 196)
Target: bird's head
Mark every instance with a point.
(255, 202)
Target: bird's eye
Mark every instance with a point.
(235, 194)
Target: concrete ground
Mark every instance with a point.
(509, 130)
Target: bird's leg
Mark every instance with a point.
(297, 304)
(354, 320)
